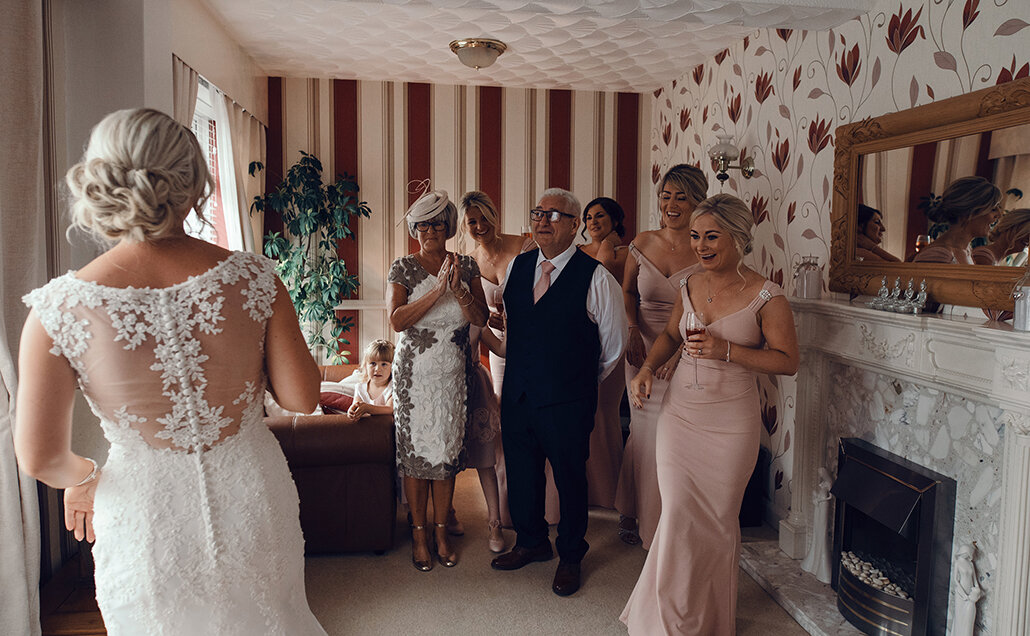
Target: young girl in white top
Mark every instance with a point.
(374, 395)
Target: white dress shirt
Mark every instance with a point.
(604, 308)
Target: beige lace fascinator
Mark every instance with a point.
(431, 205)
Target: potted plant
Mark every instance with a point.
(315, 216)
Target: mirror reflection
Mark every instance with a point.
(957, 200)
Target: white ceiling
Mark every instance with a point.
(611, 45)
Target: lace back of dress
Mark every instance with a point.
(175, 367)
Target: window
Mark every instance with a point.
(211, 127)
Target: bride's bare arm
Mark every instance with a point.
(46, 393)
(292, 373)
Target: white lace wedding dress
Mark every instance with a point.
(196, 515)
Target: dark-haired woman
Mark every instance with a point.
(870, 235)
(603, 221)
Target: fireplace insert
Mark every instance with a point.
(891, 542)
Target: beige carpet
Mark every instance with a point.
(369, 594)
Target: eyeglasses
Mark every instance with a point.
(551, 215)
(423, 226)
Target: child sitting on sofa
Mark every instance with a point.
(374, 394)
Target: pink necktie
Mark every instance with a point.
(545, 280)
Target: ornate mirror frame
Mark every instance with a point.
(969, 285)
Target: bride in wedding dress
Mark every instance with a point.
(173, 342)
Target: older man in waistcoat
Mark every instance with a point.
(566, 330)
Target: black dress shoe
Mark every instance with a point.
(566, 579)
(520, 557)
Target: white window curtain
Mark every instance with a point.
(22, 267)
(234, 228)
(248, 144)
(185, 83)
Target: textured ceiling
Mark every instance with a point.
(613, 45)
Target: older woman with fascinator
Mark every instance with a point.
(659, 260)
(969, 206)
(434, 296)
(710, 425)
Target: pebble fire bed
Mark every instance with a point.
(870, 575)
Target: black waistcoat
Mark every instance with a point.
(553, 348)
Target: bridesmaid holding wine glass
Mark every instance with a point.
(694, 325)
(708, 439)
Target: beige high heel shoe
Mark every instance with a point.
(421, 566)
(496, 537)
(446, 560)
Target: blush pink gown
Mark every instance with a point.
(707, 446)
(637, 495)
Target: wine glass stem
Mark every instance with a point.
(697, 384)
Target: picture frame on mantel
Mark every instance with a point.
(985, 110)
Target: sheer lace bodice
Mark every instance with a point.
(196, 515)
(145, 357)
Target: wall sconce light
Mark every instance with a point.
(478, 53)
(723, 154)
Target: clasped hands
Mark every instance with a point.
(449, 276)
(358, 409)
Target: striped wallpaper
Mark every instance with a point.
(510, 143)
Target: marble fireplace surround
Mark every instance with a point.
(949, 393)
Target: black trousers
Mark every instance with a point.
(559, 433)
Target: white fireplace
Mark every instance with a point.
(949, 393)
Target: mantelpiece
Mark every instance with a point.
(966, 357)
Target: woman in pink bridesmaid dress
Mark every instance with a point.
(492, 252)
(709, 427)
(659, 260)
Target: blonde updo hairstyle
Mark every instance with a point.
(732, 215)
(141, 174)
(963, 199)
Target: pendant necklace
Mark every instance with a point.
(710, 294)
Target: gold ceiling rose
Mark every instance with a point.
(478, 53)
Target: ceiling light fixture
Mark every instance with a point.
(478, 53)
(723, 153)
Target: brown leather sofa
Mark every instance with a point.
(345, 474)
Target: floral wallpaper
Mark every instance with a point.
(781, 94)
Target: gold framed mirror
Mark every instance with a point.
(951, 122)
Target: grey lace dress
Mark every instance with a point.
(432, 376)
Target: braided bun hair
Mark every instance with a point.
(141, 174)
(963, 199)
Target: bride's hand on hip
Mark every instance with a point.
(78, 510)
